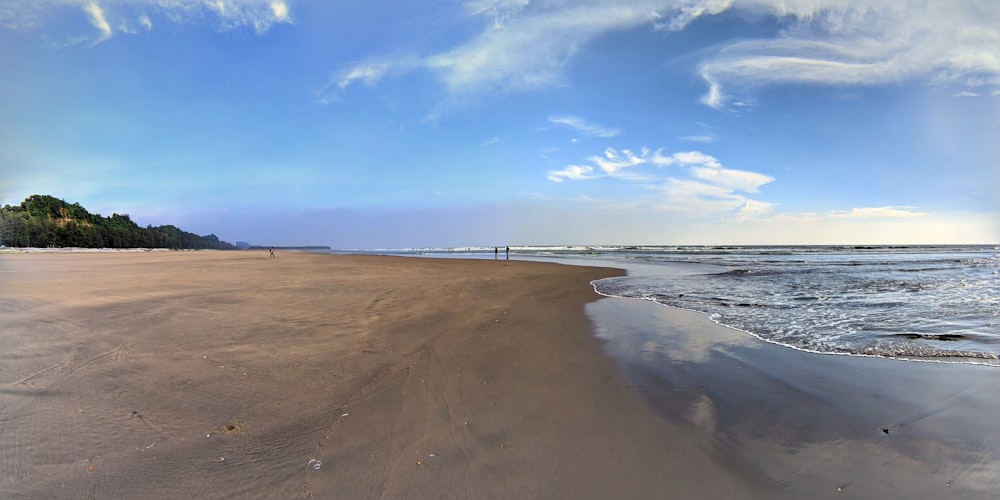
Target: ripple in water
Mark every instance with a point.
(906, 302)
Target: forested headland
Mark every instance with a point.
(43, 221)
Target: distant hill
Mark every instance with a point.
(45, 221)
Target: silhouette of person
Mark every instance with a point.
(507, 251)
(272, 252)
(496, 253)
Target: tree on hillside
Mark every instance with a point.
(46, 221)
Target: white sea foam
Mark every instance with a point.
(916, 303)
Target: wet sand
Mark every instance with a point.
(818, 426)
(232, 375)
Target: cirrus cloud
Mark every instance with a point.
(96, 15)
(857, 43)
(583, 126)
(110, 17)
(527, 45)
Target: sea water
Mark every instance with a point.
(917, 302)
(926, 302)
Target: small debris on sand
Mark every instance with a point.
(234, 428)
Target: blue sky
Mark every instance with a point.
(386, 124)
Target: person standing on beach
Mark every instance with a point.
(496, 253)
(507, 253)
(272, 252)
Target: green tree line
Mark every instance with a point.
(45, 221)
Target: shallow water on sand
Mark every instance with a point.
(817, 426)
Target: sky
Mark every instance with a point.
(446, 123)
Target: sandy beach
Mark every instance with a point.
(232, 375)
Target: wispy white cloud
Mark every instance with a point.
(531, 49)
(260, 15)
(96, 15)
(889, 212)
(572, 172)
(740, 180)
(966, 93)
(850, 43)
(685, 158)
(526, 45)
(613, 162)
(683, 13)
(696, 183)
(522, 48)
(111, 17)
(583, 126)
(704, 138)
(501, 11)
(369, 73)
(281, 12)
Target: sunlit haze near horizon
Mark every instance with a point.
(386, 124)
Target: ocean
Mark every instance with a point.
(929, 303)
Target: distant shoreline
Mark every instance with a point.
(307, 247)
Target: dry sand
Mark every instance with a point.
(232, 375)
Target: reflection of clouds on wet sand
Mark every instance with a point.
(819, 426)
(703, 413)
(871, 468)
(636, 327)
